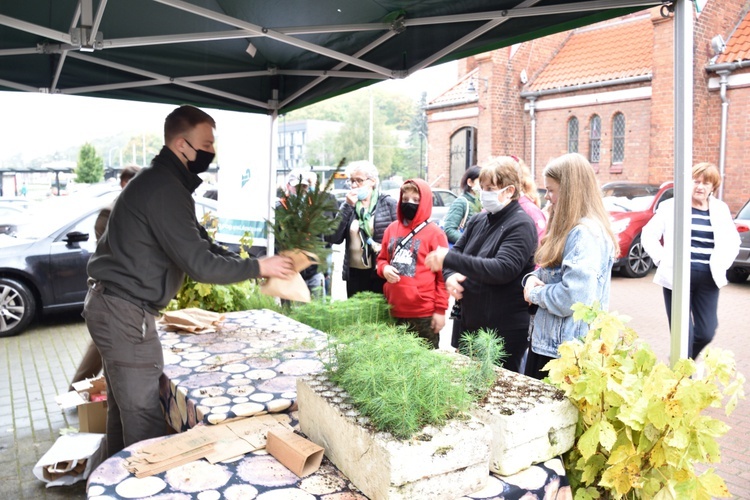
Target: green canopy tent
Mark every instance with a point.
(259, 56)
(272, 57)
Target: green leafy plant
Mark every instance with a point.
(331, 317)
(222, 298)
(641, 425)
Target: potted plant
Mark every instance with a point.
(299, 225)
(402, 420)
(642, 427)
(393, 416)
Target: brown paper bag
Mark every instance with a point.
(295, 287)
(192, 320)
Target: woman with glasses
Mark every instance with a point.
(714, 243)
(363, 218)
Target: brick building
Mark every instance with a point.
(607, 92)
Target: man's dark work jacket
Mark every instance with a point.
(153, 238)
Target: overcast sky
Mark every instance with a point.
(38, 124)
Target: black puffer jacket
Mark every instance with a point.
(384, 214)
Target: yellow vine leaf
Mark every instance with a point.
(713, 484)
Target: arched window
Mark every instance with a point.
(463, 154)
(573, 135)
(595, 139)
(618, 138)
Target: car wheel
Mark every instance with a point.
(637, 263)
(737, 275)
(17, 307)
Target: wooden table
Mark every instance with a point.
(248, 367)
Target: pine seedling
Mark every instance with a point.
(395, 379)
(304, 219)
(487, 350)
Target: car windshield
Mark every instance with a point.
(745, 212)
(55, 212)
(625, 204)
(628, 198)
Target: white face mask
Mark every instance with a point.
(490, 201)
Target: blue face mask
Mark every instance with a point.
(363, 193)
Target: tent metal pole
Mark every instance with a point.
(271, 202)
(683, 161)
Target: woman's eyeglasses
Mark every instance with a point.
(354, 180)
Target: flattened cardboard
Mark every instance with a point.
(296, 453)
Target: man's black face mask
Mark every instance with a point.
(202, 160)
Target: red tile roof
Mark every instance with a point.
(460, 92)
(738, 46)
(606, 51)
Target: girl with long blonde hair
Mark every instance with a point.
(575, 259)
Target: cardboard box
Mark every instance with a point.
(296, 453)
(92, 415)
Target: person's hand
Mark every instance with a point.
(351, 197)
(438, 322)
(453, 284)
(376, 246)
(531, 283)
(435, 259)
(277, 266)
(391, 274)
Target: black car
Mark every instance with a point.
(43, 264)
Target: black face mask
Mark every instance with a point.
(409, 210)
(202, 160)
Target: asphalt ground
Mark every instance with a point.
(37, 365)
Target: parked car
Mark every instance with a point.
(631, 206)
(43, 264)
(740, 270)
(441, 200)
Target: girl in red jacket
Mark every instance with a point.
(417, 296)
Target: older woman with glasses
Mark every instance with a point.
(363, 218)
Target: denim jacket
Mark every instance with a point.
(584, 276)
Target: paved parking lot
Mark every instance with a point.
(37, 365)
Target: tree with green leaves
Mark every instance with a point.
(353, 139)
(90, 167)
(391, 113)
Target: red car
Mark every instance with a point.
(631, 206)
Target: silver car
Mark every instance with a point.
(740, 270)
(441, 200)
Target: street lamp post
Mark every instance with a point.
(110, 156)
(422, 162)
(421, 156)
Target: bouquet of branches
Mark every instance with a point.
(301, 221)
